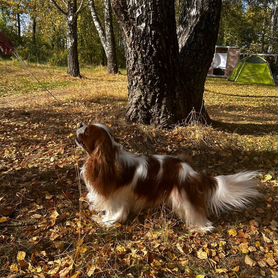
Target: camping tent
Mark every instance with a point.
(252, 70)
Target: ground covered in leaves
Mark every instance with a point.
(45, 225)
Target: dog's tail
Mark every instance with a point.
(233, 191)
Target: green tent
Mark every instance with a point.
(252, 70)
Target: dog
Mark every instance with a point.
(120, 183)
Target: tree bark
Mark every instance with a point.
(106, 34)
(73, 62)
(72, 35)
(151, 55)
(18, 25)
(112, 65)
(273, 27)
(197, 33)
(166, 76)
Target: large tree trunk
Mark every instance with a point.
(197, 34)
(106, 34)
(151, 55)
(165, 84)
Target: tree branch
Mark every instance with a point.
(80, 6)
(58, 7)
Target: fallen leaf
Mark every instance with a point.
(64, 272)
(14, 268)
(266, 239)
(232, 232)
(249, 261)
(91, 270)
(53, 217)
(221, 270)
(21, 256)
(4, 219)
(270, 261)
(267, 177)
(243, 247)
(201, 254)
(121, 250)
(261, 263)
(236, 269)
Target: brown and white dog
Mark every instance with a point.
(120, 183)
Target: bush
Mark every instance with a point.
(59, 58)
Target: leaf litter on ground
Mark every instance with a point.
(46, 226)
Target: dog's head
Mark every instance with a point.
(93, 138)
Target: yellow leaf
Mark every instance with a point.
(266, 239)
(53, 271)
(261, 263)
(121, 249)
(267, 177)
(21, 256)
(221, 270)
(53, 217)
(244, 248)
(232, 232)
(91, 270)
(202, 254)
(76, 275)
(249, 261)
(270, 261)
(83, 249)
(14, 268)
(200, 276)
(4, 219)
(180, 248)
(64, 272)
(236, 269)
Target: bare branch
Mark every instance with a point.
(80, 7)
(58, 7)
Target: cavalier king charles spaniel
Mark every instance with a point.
(120, 183)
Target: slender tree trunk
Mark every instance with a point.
(73, 62)
(273, 27)
(112, 65)
(197, 33)
(18, 25)
(106, 34)
(34, 36)
(71, 14)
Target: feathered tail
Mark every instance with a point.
(234, 191)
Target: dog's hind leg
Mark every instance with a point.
(194, 218)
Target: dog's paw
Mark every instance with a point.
(98, 219)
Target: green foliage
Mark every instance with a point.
(247, 24)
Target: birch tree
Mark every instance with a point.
(106, 34)
(166, 71)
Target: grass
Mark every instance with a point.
(46, 227)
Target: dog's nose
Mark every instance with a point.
(81, 125)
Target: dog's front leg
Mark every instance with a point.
(112, 217)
